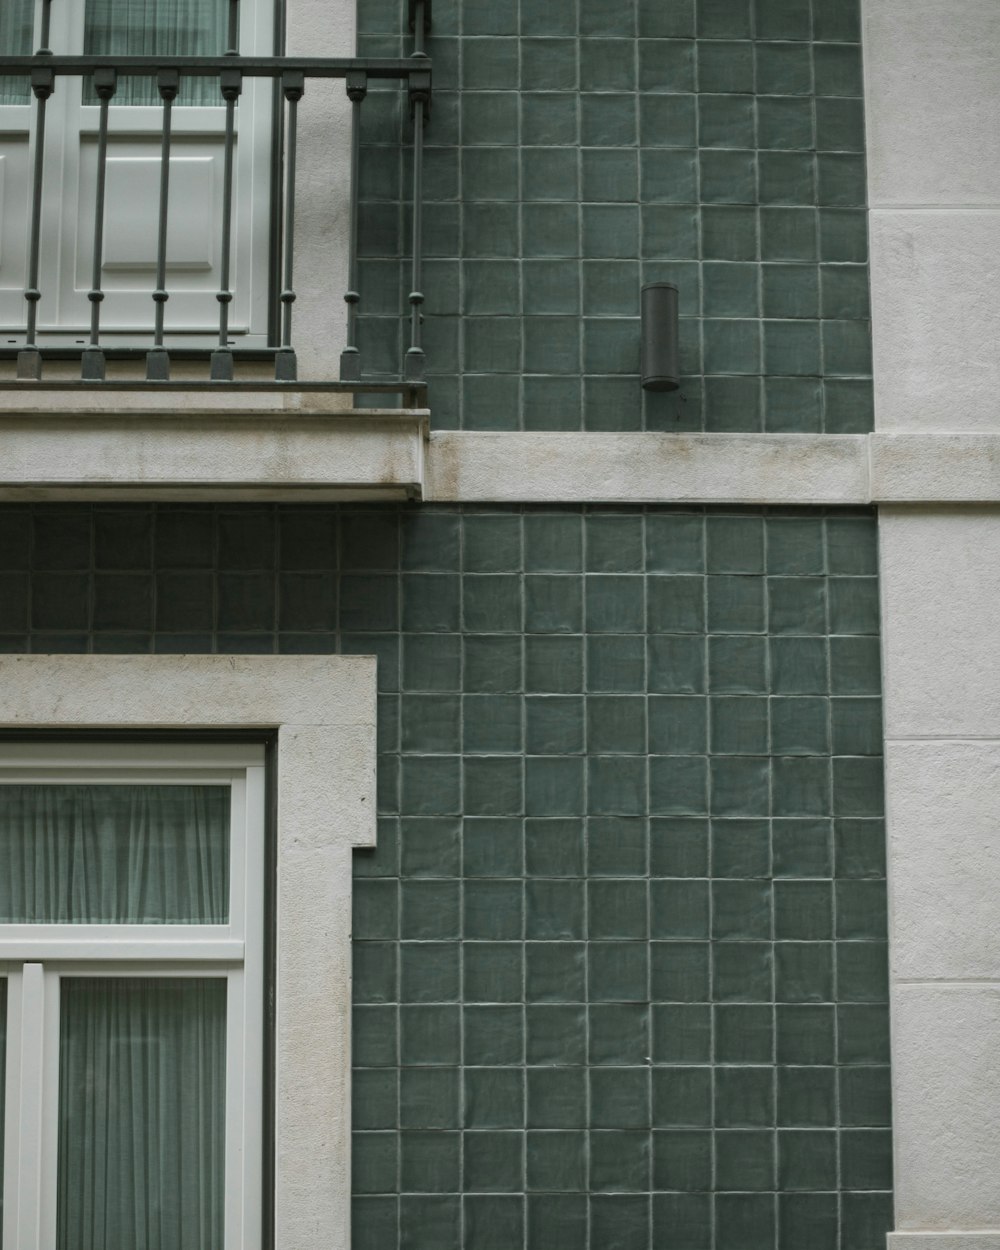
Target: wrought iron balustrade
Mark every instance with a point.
(291, 76)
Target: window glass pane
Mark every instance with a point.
(16, 21)
(152, 27)
(142, 1065)
(114, 854)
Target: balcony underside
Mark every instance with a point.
(197, 445)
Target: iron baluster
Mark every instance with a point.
(414, 364)
(221, 369)
(158, 360)
(350, 358)
(29, 360)
(92, 362)
(285, 364)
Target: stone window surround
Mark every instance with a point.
(323, 709)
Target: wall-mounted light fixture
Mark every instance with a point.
(660, 370)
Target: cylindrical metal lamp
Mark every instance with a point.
(660, 369)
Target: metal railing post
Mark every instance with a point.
(350, 357)
(92, 362)
(285, 364)
(221, 367)
(29, 359)
(414, 364)
(158, 360)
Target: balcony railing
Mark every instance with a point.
(291, 77)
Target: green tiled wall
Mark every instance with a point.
(579, 148)
(621, 964)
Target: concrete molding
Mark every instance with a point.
(253, 450)
(940, 585)
(191, 453)
(962, 467)
(932, 101)
(945, 1241)
(946, 1089)
(945, 856)
(935, 318)
(653, 468)
(323, 708)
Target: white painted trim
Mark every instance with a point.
(323, 708)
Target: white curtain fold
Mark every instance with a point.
(16, 23)
(107, 854)
(157, 27)
(142, 1068)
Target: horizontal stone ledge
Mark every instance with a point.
(190, 455)
(648, 468)
(987, 1240)
(315, 453)
(962, 467)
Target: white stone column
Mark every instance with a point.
(933, 108)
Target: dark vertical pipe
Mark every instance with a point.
(350, 358)
(158, 360)
(285, 365)
(420, 95)
(221, 369)
(92, 364)
(29, 359)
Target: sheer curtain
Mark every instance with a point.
(16, 22)
(142, 1068)
(114, 854)
(148, 27)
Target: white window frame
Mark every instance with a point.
(321, 710)
(37, 957)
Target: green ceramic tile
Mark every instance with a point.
(492, 972)
(549, 173)
(666, 65)
(838, 70)
(725, 67)
(548, 64)
(667, 121)
(807, 1160)
(841, 180)
(493, 1035)
(840, 125)
(741, 972)
(556, 1161)
(783, 19)
(727, 177)
(726, 121)
(607, 64)
(607, 120)
(682, 1160)
(729, 233)
(744, 1098)
(492, 664)
(730, 290)
(556, 1035)
(620, 1099)
(428, 1098)
(744, 1160)
(724, 19)
(741, 910)
(785, 123)
(555, 972)
(783, 69)
(554, 909)
(789, 234)
(557, 1098)
(744, 1034)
